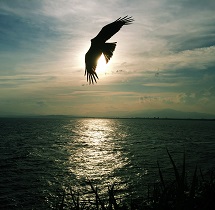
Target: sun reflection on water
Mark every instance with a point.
(94, 152)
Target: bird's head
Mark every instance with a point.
(92, 40)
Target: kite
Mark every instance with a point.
(99, 46)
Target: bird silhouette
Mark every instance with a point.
(99, 46)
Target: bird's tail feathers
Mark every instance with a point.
(108, 50)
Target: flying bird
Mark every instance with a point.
(99, 46)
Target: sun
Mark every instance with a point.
(101, 65)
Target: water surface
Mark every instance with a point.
(38, 157)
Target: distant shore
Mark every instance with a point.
(81, 117)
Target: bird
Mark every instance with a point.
(99, 46)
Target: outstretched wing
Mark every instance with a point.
(109, 30)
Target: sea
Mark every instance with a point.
(43, 158)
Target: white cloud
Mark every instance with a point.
(42, 54)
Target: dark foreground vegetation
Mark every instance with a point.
(179, 194)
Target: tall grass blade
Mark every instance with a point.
(212, 177)
(194, 183)
(203, 179)
(98, 200)
(112, 199)
(73, 198)
(177, 176)
(183, 172)
(161, 176)
(78, 202)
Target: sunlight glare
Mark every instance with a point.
(101, 65)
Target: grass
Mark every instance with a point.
(179, 194)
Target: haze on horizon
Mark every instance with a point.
(164, 60)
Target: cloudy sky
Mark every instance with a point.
(164, 60)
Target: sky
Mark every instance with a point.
(164, 60)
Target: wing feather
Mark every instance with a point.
(91, 59)
(109, 30)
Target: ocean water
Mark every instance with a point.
(40, 157)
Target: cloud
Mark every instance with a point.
(164, 59)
